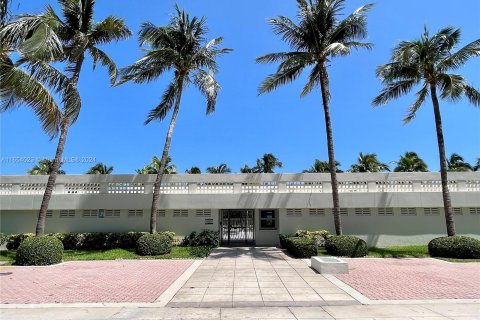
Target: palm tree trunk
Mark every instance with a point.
(52, 178)
(163, 161)
(51, 181)
(447, 204)
(324, 84)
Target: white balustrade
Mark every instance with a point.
(240, 183)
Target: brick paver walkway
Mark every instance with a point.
(90, 281)
(257, 277)
(417, 279)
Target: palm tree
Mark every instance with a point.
(193, 170)
(411, 162)
(180, 47)
(368, 163)
(154, 167)
(221, 169)
(267, 164)
(456, 163)
(246, 169)
(79, 35)
(3, 11)
(44, 167)
(427, 61)
(100, 168)
(322, 167)
(477, 165)
(318, 37)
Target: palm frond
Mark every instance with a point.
(168, 100)
(412, 111)
(473, 95)
(313, 80)
(208, 86)
(451, 86)
(281, 77)
(100, 56)
(459, 58)
(110, 29)
(393, 90)
(17, 88)
(32, 36)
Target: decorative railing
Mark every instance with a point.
(240, 183)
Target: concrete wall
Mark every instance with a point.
(20, 198)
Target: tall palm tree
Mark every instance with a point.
(322, 167)
(100, 168)
(477, 165)
(3, 11)
(221, 169)
(411, 162)
(267, 164)
(155, 165)
(368, 163)
(79, 35)
(193, 170)
(317, 38)
(180, 47)
(428, 61)
(44, 167)
(456, 163)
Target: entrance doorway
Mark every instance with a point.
(237, 227)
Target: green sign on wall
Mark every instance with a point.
(101, 213)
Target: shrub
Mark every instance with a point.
(206, 238)
(154, 244)
(459, 247)
(283, 240)
(200, 252)
(346, 246)
(14, 240)
(39, 251)
(301, 247)
(320, 236)
(3, 238)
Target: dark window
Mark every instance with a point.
(267, 219)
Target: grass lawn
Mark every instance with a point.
(401, 252)
(112, 254)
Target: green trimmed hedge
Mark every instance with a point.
(154, 244)
(200, 252)
(283, 240)
(346, 246)
(301, 247)
(39, 251)
(459, 247)
(206, 238)
(88, 240)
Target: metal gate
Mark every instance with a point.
(237, 227)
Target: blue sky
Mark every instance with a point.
(245, 126)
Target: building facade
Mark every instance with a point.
(247, 209)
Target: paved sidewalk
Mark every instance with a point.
(413, 279)
(357, 312)
(257, 277)
(90, 281)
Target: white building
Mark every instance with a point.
(383, 208)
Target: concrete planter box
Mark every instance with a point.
(329, 265)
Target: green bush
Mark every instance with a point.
(3, 238)
(14, 240)
(39, 251)
(319, 236)
(154, 244)
(206, 238)
(301, 247)
(459, 247)
(346, 246)
(283, 240)
(200, 252)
